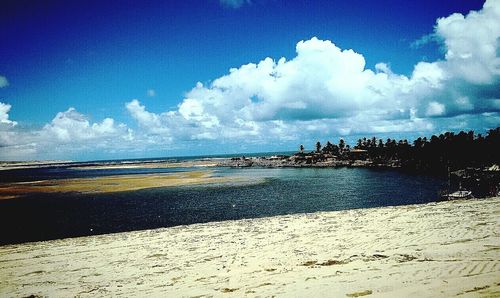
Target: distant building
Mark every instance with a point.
(358, 154)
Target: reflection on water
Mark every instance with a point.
(279, 191)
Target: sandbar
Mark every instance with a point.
(115, 183)
(434, 250)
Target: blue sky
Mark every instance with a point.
(98, 56)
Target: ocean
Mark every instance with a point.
(274, 191)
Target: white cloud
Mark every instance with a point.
(145, 118)
(234, 3)
(3, 82)
(71, 126)
(325, 84)
(69, 133)
(435, 109)
(472, 43)
(4, 114)
(426, 39)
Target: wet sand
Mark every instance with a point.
(107, 184)
(433, 250)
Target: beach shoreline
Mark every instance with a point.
(103, 165)
(436, 249)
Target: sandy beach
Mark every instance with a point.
(438, 249)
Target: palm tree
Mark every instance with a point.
(417, 143)
(328, 147)
(359, 144)
(318, 146)
(341, 145)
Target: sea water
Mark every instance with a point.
(274, 191)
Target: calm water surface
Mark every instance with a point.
(281, 191)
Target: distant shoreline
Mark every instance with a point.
(296, 162)
(483, 181)
(268, 161)
(140, 160)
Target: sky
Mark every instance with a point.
(88, 80)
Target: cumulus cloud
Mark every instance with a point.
(472, 43)
(146, 119)
(4, 115)
(71, 126)
(328, 89)
(68, 133)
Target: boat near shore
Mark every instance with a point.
(459, 195)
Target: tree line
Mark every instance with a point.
(439, 153)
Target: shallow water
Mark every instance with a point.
(273, 192)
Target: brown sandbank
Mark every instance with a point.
(107, 184)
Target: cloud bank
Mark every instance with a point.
(327, 88)
(323, 91)
(69, 133)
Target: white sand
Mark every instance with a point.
(443, 249)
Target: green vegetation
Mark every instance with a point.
(437, 154)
